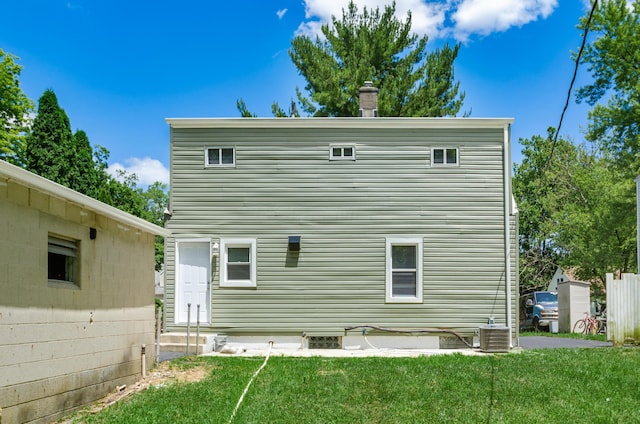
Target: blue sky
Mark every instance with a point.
(119, 68)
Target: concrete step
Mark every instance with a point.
(182, 348)
(182, 338)
(177, 342)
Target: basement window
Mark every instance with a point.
(444, 157)
(220, 156)
(63, 261)
(342, 152)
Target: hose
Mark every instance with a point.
(246, 389)
(410, 331)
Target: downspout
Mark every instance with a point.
(507, 225)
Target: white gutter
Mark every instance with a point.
(9, 172)
(339, 123)
(507, 226)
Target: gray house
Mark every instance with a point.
(330, 228)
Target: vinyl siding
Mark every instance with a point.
(284, 184)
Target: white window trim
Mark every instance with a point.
(406, 241)
(219, 165)
(457, 162)
(342, 147)
(68, 248)
(237, 242)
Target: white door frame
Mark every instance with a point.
(179, 294)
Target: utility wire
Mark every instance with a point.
(573, 80)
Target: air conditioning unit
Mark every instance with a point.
(494, 338)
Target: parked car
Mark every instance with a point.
(538, 310)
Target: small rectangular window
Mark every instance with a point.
(342, 152)
(220, 156)
(62, 261)
(238, 263)
(444, 157)
(404, 270)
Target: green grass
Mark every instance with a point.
(596, 337)
(541, 386)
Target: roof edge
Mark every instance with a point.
(29, 179)
(395, 122)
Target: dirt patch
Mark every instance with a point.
(163, 375)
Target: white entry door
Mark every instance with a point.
(193, 277)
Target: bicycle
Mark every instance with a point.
(587, 325)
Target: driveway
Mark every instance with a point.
(544, 342)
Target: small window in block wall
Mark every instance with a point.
(63, 261)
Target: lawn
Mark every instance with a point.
(595, 337)
(541, 386)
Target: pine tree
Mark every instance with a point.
(375, 46)
(83, 171)
(49, 147)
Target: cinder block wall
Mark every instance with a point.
(64, 347)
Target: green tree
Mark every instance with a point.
(375, 46)
(68, 159)
(573, 213)
(122, 192)
(613, 58)
(157, 199)
(83, 171)
(242, 108)
(532, 188)
(15, 109)
(49, 146)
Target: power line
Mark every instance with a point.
(573, 80)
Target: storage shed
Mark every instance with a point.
(77, 297)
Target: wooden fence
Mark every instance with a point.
(623, 309)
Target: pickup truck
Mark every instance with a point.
(538, 309)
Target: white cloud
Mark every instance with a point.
(281, 13)
(146, 169)
(427, 17)
(438, 19)
(484, 17)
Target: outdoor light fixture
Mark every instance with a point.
(215, 249)
(93, 233)
(294, 244)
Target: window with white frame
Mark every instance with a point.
(220, 156)
(63, 260)
(237, 263)
(342, 152)
(404, 270)
(444, 157)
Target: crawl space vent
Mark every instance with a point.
(325, 342)
(494, 338)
